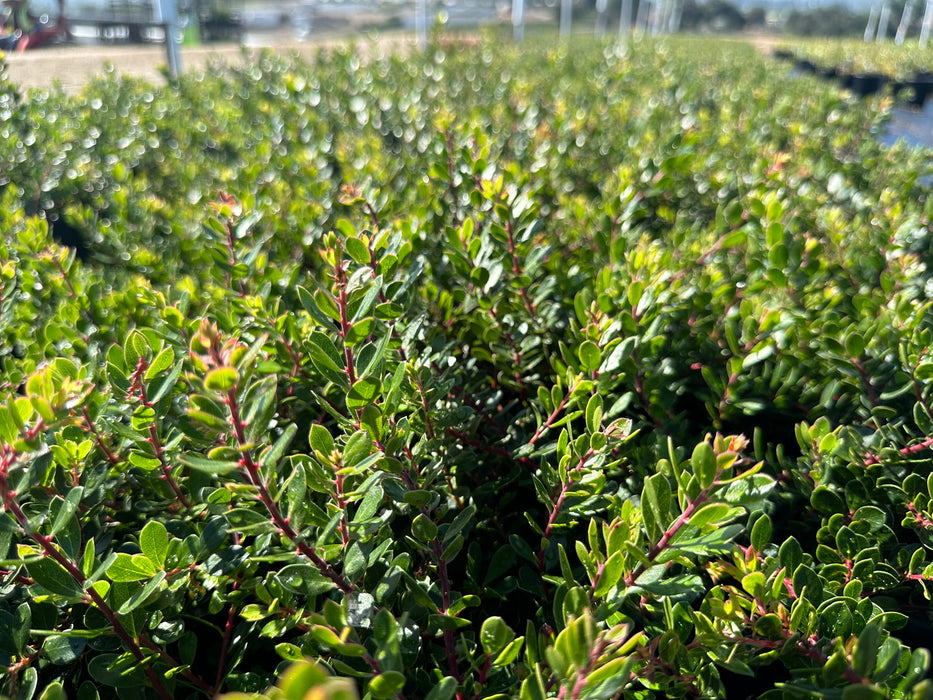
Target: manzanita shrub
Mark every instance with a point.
(587, 372)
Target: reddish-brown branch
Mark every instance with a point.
(139, 385)
(555, 511)
(669, 534)
(909, 450)
(225, 644)
(92, 427)
(251, 471)
(544, 427)
(517, 269)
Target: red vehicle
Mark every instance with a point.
(21, 28)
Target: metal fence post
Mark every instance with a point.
(169, 10)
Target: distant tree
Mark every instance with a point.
(712, 15)
(756, 17)
(829, 21)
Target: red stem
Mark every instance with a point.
(251, 470)
(91, 426)
(666, 538)
(517, 270)
(225, 644)
(140, 385)
(909, 450)
(554, 414)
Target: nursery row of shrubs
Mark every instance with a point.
(866, 69)
(591, 372)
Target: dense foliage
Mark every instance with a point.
(856, 56)
(483, 373)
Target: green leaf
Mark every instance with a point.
(221, 379)
(790, 554)
(167, 383)
(418, 498)
(321, 441)
(714, 513)
(326, 304)
(131, 567)
(826, 501)
(494, 635)
(594, 413)
(703, 464)
(357, 250)
(858, 691)
(160, 363)
(836, 620)
(589, 355)
(655, 505)
(153, 541)
(385, 685)
(27, 683)
(359, 331)
(423, 528)
(209, 466)
(324, 354)
(21, 627)
(289, 652)
(464, 518)
(259, 405)
(67, 510)
(448, 623)
(141, 596)
(533, 686)
(270, 458)
(363, 392)
(761, 533)
(62, 649)
(137, 459)
(445, 689)
(866, 650)
(855, 345)
(52, 577)
(116, 671)
(613, 568)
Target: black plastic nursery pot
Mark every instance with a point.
(805, 66)
(865, 84)
(921, 87)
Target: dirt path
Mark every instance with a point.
(73, 66)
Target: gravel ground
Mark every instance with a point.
(73, 66)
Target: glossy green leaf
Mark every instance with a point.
(153, 541)
(703, 464)
(131, 567)
(221, 379)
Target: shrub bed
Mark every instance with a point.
(484, 373)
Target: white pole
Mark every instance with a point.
(659, 8)
(926, 25)
(668, 15)
(883, 23)
(625, 19)
(872, 25)
(641, 21)
(601, 7)
(421, 23)
(518, 19)
(566, 16)
(904, 23)
(169, 11)
(676, 16)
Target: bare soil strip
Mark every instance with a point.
(73, 66)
